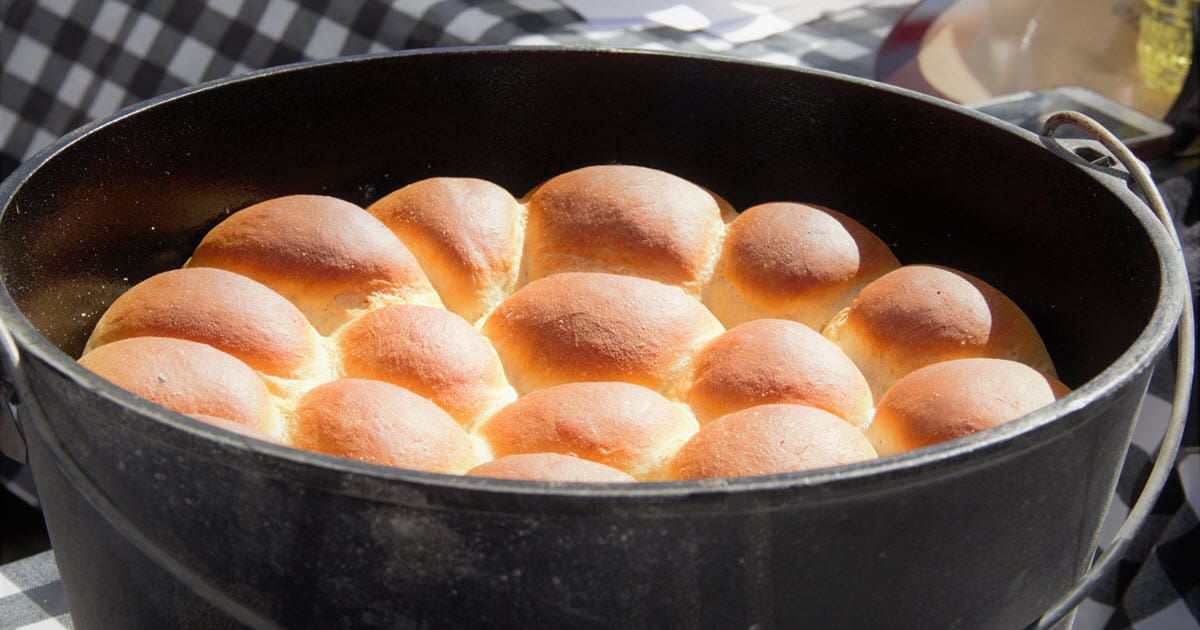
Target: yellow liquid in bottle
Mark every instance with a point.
(1164, 49)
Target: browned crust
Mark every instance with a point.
(315, 250)
(464, 232)
(776, 361)
(379, 422)
(219, 308)
(923, 314)
(573, 327)
(623, 219)
(188, 377)
(797, 260)
(953, 399)
(928, 312)
(621, 425)
(770, 439)
(549, 467)
(429, 351)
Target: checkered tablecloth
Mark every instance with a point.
(67, 62)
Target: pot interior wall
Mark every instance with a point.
(132, 198)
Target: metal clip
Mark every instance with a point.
(12, 442)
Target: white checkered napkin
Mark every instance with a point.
(31, 595)
(844, 42)
(66, 62)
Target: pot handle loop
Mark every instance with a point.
(1168, 451)
(32, 413)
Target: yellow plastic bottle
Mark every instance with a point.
(1165, 41)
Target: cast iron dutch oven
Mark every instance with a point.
(159, 521)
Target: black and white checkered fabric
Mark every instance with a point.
(31, 595)
(67, 62)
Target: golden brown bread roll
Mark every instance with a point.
(922, 314)
(573, 327)
(793, 261)
(628, 220)
(222, 309)
(955, 398)
(430, 351)
(466, 232)
(627, 427)
(311, 321)
(188, 377)
(549, 467)
(378, 422)
(776, 361)
(329, 257)
(770, 439)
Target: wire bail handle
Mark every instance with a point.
(1168, 450)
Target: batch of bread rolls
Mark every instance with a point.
(615, 324)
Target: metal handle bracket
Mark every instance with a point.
(12, 439)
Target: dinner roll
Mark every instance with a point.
(923, 314)
(572, 327)
(776, 361)
(466, 232)
(330, 257)
(222, 309)
(378, 422)
(793, 261)
(618, 323)
(549, 467)
(625, 219)
(188, 377)
(952, 399)
(627, 427)
(770, 439)
(430, 351)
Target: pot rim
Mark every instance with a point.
(284, 462)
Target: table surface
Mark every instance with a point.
(66, 63)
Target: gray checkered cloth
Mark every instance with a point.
(67, 62)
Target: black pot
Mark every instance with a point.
(160, 521)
